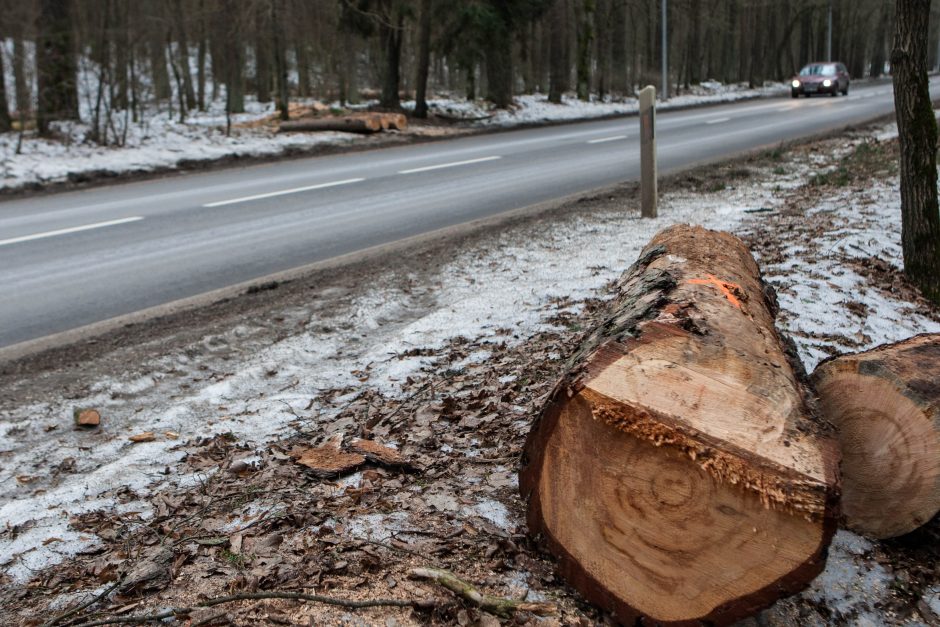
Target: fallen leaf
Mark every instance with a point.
(49, 541)
(216, 541)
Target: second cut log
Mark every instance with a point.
(885, 404)
(678, 471)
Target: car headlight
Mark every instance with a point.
(795, 84)
(827, 83)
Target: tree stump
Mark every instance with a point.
(679, 471)
(885, 405)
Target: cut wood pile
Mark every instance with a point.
(682, 470)
(362, 123)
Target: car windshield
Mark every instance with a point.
(818, 70)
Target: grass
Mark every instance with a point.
(868, 159)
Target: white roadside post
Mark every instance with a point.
(648, 191)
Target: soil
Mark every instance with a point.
(261, 521)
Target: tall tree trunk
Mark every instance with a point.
(499, 72)
(917, 129)
(20, 81)
(56, 69)
(280, 60)
(232, 55)
(303, 67)
(5, 122)
(391, 32)
(156, 47)
(602, 27)
(99, 128)
(695, 43)
(618, 48)
(585, 44)
(201, 61)
(424, 60)
(263, 53)
(878, 56)
(182, 41)
(122, 42)
(558, 66)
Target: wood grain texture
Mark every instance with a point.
(679, 471)
(885, 404)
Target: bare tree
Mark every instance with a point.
(917, 128)
(56, 68)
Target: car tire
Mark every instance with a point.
(794, 94)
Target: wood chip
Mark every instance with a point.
(328, 460)
(87, 417)
(172, 435)
(146, 436)
(379, 454)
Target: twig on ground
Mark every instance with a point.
(498, 606)
(387, 419)
(82, 606)
(255, 596)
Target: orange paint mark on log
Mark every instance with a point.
(725, 287)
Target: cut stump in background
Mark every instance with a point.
(885, 405)
(678, 471)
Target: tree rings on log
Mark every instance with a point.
(885, 405)
(679, 471)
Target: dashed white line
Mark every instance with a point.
(718, 121)
(283, 192)
(448, 165)
(604, 140)
(74, 229)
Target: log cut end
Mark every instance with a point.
(885, 405)
(655, 534)
(678, 471)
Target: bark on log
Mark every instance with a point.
(885, 405)
(679, 471)
(363, 124)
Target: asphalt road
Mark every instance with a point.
(76, 258)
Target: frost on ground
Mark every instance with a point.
(445, 362)
(161, 141)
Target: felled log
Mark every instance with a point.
(885, 404)
(391, 121)
(349, 124)
(678, 471)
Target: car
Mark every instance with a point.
(821, 78)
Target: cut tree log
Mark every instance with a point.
(885, 405)
(679, 471)
(350, 124)
(390, 121)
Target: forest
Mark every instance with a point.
(135, 56)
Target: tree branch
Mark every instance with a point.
(498, 606)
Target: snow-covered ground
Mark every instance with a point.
(160, 141)
(518, 282)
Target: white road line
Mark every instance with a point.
(604, 140)
(448, 165)
(283, 192)
(74, 229)
(718, 121)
